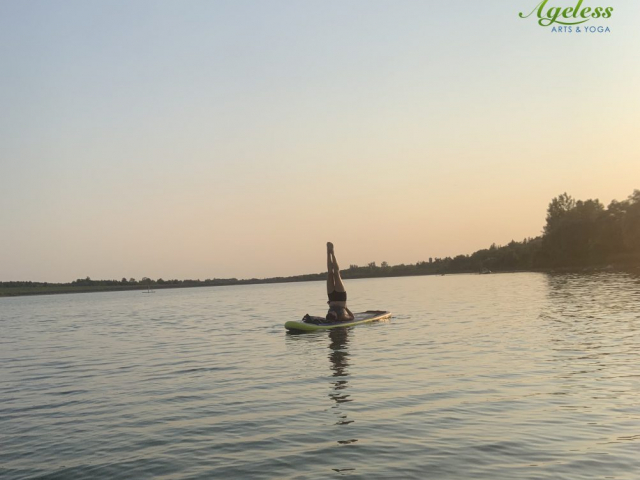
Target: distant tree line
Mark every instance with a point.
(577, 234)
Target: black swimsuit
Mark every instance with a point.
(338, 296)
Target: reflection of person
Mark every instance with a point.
(339, 354)
(338, 310)
(339, 357)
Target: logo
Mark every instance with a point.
(568, 16)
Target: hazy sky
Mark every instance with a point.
(201, 139)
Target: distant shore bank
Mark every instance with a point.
(55, 288)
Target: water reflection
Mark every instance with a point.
(339, 357)
(339, 366)
(592, 305)
(592, 323)
(597, 292)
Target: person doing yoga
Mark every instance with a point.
(338, 311)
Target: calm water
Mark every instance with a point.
(475, 377)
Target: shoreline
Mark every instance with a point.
(59, 289)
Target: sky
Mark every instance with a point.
(217, 139)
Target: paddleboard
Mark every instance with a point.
(312, 324)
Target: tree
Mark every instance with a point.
(557, 210)
(631, 222)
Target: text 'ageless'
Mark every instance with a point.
(547, 16)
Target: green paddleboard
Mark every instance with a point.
(319, 323)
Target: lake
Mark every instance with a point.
(503, 376)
